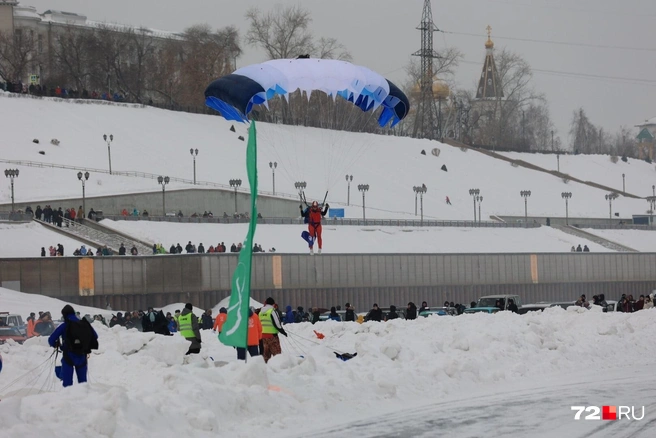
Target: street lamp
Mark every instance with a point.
(363, 188)
(236, 183)
(420, 190)
(610, 198)
(109, 141)
(479, 199)
(525, 194)
(273, 167)
(623, 183)
(566, 196)
(163, 181)
(83, 177)
(300, 186)
(474, 193)
(194, 153)
(652, 205)
(11, 174)
(349, 179)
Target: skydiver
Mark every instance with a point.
(314, 215)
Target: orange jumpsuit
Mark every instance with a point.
(314, 223)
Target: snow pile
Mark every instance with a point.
(356, 239)
(149, 139)
(139, 386)
(27, 239)
(24, 304)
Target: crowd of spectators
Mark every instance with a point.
(62, 92)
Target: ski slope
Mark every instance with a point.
(641, 240)
(484, 375)
(354, 239)
(158, 141)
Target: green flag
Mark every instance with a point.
(235, 329)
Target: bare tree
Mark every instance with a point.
(131, 65)
(282, 34)
(73, 52)
(330, 48)
(108, 47)
(18, 51)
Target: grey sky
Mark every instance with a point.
(381, 35)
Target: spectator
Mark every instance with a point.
(424, 306)
(121, 250)
(640, 304)
(512, 306)
(392, 314)
(375, 314)
(648, 303)
(124, 213)
(586, 249)
(145, 213)
(316, 315)
(201, 248)
(39, 212)
(233, 248)
(579, 249)
(43, 251)
(134, 250)
(411, 312)
(573, 249)
(349, 316)
(172, 249)
(80, 214)
(289, 318)
(334, 316)
(206, 320)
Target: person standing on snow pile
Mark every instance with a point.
(189, 328)
(207, 321)
(79, 338)
(271, 326)
(220, 319)
(350, 313)
(313, 216)
(254, 337)
(411, 313)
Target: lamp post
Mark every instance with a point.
(474, 193)
(11, 174)
(525, 194)
(652, 205)
(163, 180)
(610, 197)
(83, 177)
(623, 183)
(653, 190)
(420, 190)
(194, 153)
(349, 179)
(109, 139)
(416, 190)
(300, 186)
(479, 199)
(235, 183)
(363, 188)
(273, 167)
(566, 196)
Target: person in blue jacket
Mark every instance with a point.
(70, 360)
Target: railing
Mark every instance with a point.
(618, 227)
(15, 216)
(326, 221)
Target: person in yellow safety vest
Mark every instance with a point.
(271, 326)
(188, 325)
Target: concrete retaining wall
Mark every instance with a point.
(188, 200)
(136, 282)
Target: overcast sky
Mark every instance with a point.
(381, 35)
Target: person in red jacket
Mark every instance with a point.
(313, 216)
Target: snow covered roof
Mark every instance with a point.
(26, 12)
(651, 121)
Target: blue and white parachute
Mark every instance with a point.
(235, 95)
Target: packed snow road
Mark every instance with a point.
(537, 409)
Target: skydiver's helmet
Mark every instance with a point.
(315, 205)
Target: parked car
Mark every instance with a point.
(487, 304)
(13, 320)
(544, 305)
(440, 311)
(13, 333)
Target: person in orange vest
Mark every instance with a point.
(313, 217)
(220, 319)
(254, 336)
(31, 322)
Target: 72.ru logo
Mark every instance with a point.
(607, 412)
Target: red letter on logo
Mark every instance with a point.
(609, 413)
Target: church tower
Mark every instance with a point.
(489, 86)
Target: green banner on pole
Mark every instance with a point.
(235, 329)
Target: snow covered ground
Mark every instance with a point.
(471, 375)
(639, 175)
(355, 239)
(26, 240)
(640, 240)
(158, 141)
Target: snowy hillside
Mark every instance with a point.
(478, 365)
(639, 175)
(641, 240)
(353, 239)
(26, 240)
(158, 141)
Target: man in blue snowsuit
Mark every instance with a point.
(70, 360)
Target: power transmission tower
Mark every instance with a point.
(427, 118)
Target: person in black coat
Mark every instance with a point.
(38, 212)
(424, 306)
(375, 314)
(512, 306)
(392, 314)
(350, 313)
(411, 312)
(121, 250)
(586, 249)
(207, 322)
(43, 251)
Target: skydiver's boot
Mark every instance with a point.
(311, 251)
(319, 252)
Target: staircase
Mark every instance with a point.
(96, 237)
(594, 238)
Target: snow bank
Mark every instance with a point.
(139, 386)
(27, 239)
(24, 304)
(354, 239)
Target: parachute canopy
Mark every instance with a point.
(235, 95)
